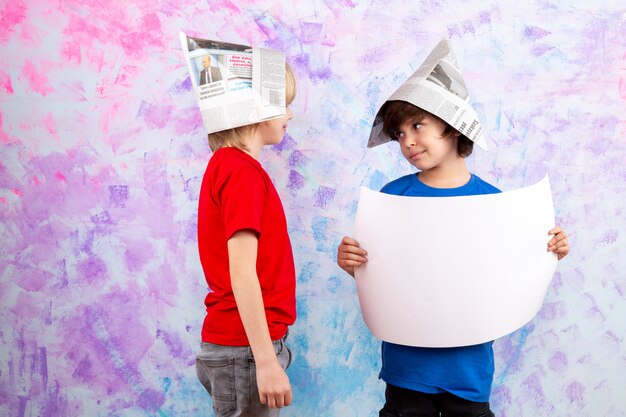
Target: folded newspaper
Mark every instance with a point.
(437, 87)
(235, 85)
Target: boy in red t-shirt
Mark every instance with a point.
(248, 263)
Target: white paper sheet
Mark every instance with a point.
(453, 271)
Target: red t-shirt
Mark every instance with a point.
(238, 194)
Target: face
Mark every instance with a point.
(206, 61)
(274, 130)
(423, 144)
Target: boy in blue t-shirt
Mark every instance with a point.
(433, 381)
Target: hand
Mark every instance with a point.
(349, 255)
(558, 244)
(273, 384)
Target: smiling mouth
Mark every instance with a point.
(416, 155)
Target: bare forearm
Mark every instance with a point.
(247, 292)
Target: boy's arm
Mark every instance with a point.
(350, 254)
(272, 381)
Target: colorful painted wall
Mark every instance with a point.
(103, 152)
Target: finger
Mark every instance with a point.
(555, 230)
(280, 401)
(349, 262)
(262, 398)
(350, 244)
(347, 240)
(561, 243)
(357, 251)
(271, 401)
(359, 259)
(561, 237)
(343, 257)
(352, 262)
(351, 249)
(557, 244)
(288, 398)
(352, 257)
(562, 249)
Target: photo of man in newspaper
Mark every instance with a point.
(209, 73)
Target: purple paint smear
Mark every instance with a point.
(296, 180)
(533, 389)
(138, 254)
(155, 116)
(539, 50)
(310, 32)
(173, 343)
(151, 400)
(286, 144)
(575, 392)
(92, 270)
(533, 33)
(297, 159)
(323, 196)
(182, 87)
(99, 348)
(118, 194)
(558, 362)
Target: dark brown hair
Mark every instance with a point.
(395, 113)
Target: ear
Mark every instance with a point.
(454, 135)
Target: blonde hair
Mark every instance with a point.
(236, 137)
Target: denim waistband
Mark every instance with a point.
(276, 342)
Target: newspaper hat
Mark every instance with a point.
(437, 87)
(235, 85)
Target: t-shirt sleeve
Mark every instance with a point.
(242, 197)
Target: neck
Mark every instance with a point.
(252, 151)
(254, 145)
(449, 175)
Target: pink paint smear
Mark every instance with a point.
(37, 79)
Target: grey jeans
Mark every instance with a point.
(229, 375)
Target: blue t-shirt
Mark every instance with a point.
(465, 371)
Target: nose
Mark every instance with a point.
(288, 114)
(408, 140)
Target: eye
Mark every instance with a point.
(417, 126)
(397, 135)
